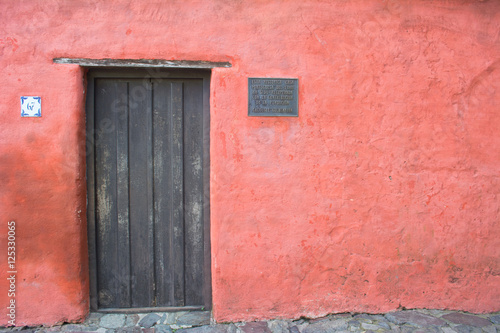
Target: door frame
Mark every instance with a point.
(155, 74)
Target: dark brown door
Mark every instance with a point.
(148, 185)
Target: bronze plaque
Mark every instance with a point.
(270, 97)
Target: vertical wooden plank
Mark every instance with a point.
(162, 160)
(106, 183)
(141, 193)
(150, 191)
(177, 192)
(120, 112)
(193, 196)
(207, 277)
(91, 191)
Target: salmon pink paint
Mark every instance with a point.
(383, 193)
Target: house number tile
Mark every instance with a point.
(31, 106)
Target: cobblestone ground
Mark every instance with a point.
(199, 322)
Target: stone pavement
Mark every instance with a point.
(404, 321)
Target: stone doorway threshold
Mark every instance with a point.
(141, 322)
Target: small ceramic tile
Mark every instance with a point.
(31, 106)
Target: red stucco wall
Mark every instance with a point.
(383, 193)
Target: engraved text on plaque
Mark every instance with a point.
(273, 97)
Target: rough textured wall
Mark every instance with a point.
(383, 193)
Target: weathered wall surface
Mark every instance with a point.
(383, 193)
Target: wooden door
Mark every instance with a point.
(148, 174)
